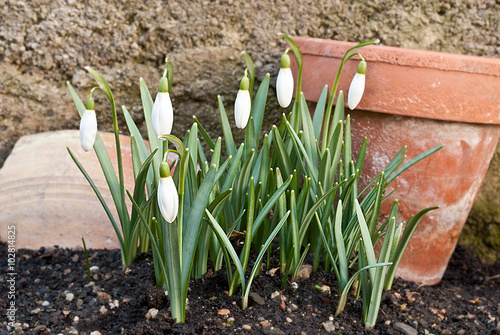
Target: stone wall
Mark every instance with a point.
(44, 43)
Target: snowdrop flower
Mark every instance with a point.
(357, 86)
(88, 126)
(162, 115)
(284, 82)
(168, 199)
(243, 104)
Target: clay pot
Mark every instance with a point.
(420, 99)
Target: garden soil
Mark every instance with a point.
(55, 296)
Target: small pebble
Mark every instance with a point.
(94, 268)
(67, 271)
(272, 331)
(103, 295)
(294, 307)
(329, 327)
(151, 314)
(212, 298)
(103, 310)
(276, 296)
(70, 296)
(224, 312)
(76, 319)
(305, 271)
(257, 299)
(75, 258)
(265, 323)
(289, 320)
(230, 321)
(114, 304)
(79, 303)
(405, 329)
(37, 281)
(246, 327)
(95, 333)
(35, 311)
(45, 303)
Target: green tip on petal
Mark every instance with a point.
(362, 67)
(164, 170)
(285, 61)
(245, 83)
(90, 104)
(163, 85)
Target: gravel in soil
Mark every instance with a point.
(54, 295)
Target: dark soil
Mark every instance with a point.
(54, 296)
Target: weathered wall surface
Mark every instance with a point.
(44, 43)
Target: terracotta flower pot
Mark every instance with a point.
(420, 99)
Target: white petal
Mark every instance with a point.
(242, 107)
(162, 115)
(88, 129)
(284, 87)
(168, 199)
(356, 90)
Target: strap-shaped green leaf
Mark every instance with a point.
(227, 246)
(226, 129)
(319, 112)
(259, 106)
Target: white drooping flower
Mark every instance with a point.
(357, 86)
(168, 199)
(162, 115)
(88, 126)
(242, 104)
(284, 82)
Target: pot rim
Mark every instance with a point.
(402, 56)
(408, 82)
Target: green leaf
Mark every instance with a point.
(226, 129)
(224, 241)
(283, 155)
(300, 148)
(408, 232)
(414, 161)
(206, 137)
(99, 196)
(140, 181)
(106, 166)
(258, 261)
(259, 106)
(319, 112)
(269, 204)
(191, 231)
(309, 139)
(367, 241)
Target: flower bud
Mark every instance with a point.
(162, 115)
(168, 199)
(357, 86)
(243, 104)
(284, 82)
(88, 126)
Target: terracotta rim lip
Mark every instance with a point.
(402, 56)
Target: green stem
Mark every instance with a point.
(177, 302)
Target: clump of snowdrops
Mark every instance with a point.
(298, 182)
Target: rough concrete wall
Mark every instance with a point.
(44, 43)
